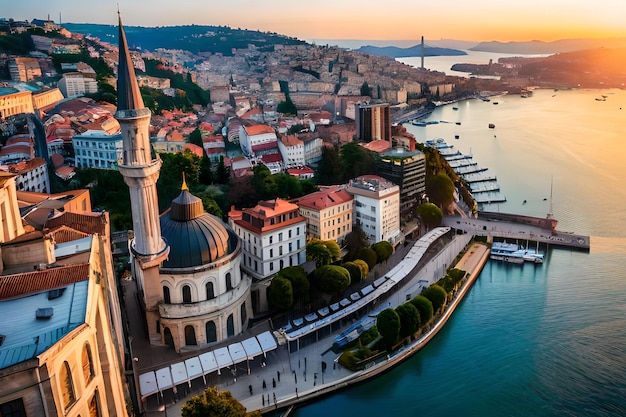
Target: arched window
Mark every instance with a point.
(211, 333)
(190, 336)
(230, 326)
(88, 371)
(94, 406)
(166, 295)
(167, 335)
(210, 294)
(244, 314)
(67, 386)
(229, 284)
(186, 294)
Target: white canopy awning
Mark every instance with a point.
(237, 354)
(148, 384)
(208, 362)
(252, 347)
(194, 369)
(179, 373)
(164, 378)
(267, 341)
(222, 357)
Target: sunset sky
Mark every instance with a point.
(476, 20)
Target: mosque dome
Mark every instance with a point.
(195, 237)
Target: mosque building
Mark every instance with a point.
(186, 262)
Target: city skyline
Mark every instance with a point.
(481, 20)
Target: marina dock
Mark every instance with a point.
(483, 185)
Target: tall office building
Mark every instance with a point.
(373, 122)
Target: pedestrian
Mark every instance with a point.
(263, 400)
(273, 383)
(250, 388)
(278, 375)
(264, 386)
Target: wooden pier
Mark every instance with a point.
(515, 227)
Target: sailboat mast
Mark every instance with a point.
(549, 216)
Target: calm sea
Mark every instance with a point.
(528, 340)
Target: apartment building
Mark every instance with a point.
(377, 207)
(96, 149)
(274, 236)
(329, 213)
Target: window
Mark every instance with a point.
(280, 237)
(290, 233)
(14, 408)
(244, 314)
(87, 360)
(210, 294)
(94, 406)
(298, 231)
(229, 284)
(166, 295)
(271, 253)
(271, 266)
(230, 326)
(211, 333)
(271, 239)
(186, 294)
(280, 250)
(290, 246)
(67, 386)
(190, 336)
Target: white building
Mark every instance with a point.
(32, 175)
(292, 150)
(274, 237)
(377, 207)
(96, 149)
(256, 139)
(313, 147)
(75, 83)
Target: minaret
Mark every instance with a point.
(141, 172)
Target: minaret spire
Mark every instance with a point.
(141, 172)
(129, 96)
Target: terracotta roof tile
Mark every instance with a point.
(90, 223)
(17, 285)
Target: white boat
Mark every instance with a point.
(513, 253)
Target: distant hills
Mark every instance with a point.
(193, 38)
(540, 47)
(416, 50)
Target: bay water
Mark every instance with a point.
(528, 340)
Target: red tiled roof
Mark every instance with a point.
(291, 141)
(65, 234)
(90, 223)
(271, 157)
(325, 198)
(300, 171)
(378, 145)
(197, 150)
(258, 129)
(18, 285)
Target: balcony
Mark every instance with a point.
(179, 311)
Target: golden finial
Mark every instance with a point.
(184, 186)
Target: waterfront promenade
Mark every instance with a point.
(283, 379)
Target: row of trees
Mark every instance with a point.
(410, 317)
(340, 165)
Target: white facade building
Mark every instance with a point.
(75, 83)
(32, 175)
(273, 234)
(313, 147)
(377, 208)
(96, 149)
(256, 139)
(292, 150)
